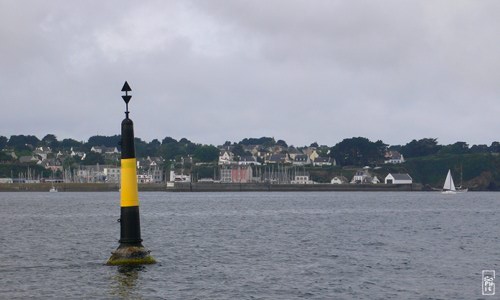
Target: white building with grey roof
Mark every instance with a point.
(398, 178)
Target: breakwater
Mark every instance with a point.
(264, 187)
(61, 187)
(206, 187)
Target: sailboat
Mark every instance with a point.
(449, 186)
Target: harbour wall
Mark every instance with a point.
(206, 187)
(264, 187)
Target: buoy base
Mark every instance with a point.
(130, 255)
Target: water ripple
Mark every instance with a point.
(251, 246)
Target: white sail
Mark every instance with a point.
(448, 183)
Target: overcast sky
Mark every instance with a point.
(302, 71)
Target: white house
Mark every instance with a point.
(144, 178)
(77, 153)
(225, 158)
(112, 174)
(324, 161)
(43, 152)
(6, 180)
(364, 176)
(338, 180)
(398, 179)
(97, 149)
(301, 179)
(248, 160)
(179, 177)
(301, 160)
(103, 149)
(394, 157)
(361, 177)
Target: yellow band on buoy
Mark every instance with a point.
(129, 196)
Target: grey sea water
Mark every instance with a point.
(325, 245)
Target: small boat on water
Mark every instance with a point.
(53, 189)
(449, 186)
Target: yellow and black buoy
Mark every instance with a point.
(130, 251)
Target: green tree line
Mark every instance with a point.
(350, 151)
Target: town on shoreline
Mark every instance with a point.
(351, 164)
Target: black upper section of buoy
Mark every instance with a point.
(127, 143)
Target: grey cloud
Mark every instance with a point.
(225, 70)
